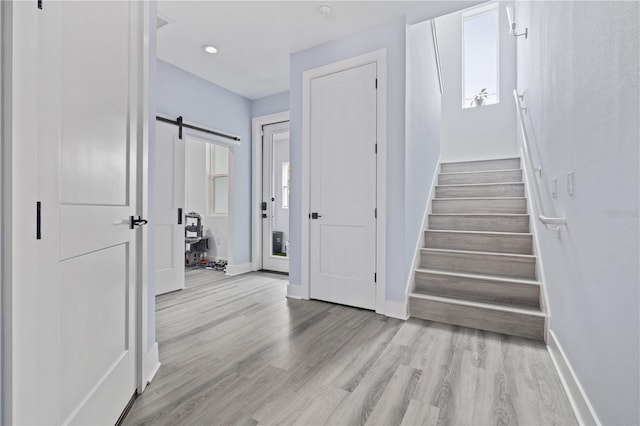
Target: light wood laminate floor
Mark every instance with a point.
(236, 351)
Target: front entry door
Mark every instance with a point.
(86, 260)
(343, 187)
(275, 197)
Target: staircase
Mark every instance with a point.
(477, 267)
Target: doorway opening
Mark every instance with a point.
(270, 188)
(193, 226)
(276, 183)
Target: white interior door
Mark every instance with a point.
(86, 258)
(343, 187)
(169, 204)
(275, 197)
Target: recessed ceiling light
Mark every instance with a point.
(324, 9)
(209, 49)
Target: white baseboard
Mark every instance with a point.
(396, 310)
(238, 269)
(151, 364)
(582, 408)
(294, 291)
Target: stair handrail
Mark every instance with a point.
(542, 217)
(436, 50)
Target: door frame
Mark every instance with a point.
(379, 57)
(230, 144)
(256, 184)
(18, 144)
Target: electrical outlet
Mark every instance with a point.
(570, 183)
(554, 188)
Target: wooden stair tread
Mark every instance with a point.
(480, 214)
(482, 305)
(479, 184)
(480, 171)
(488, 253)
(480, 198)
(496, 233)
(479, 276)
(480, 161)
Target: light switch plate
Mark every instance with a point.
(570, 183)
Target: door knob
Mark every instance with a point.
(315, 216)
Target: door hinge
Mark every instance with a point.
(40, 4)
(375, 277)
(376, 148)
(375, 212)
(38, 220)
(376, 83)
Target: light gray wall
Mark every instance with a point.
(579, 73)
(391, 36)
(481, 132)
(202, 102)
(270, 104)
(423, 132)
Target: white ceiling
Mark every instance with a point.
(255, 38)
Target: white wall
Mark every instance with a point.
(579, 72)
(422, 147)
(481, 132)
(195, 167)
(391, 36)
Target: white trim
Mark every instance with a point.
(152, 365)
(397, 310)
(256, 183)
(294, 291)
(233, 270)
(580, 403)
(410, 286)
(380, 58)
(142, 204)
(5, 105)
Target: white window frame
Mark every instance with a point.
(212, 176)
(474, 13)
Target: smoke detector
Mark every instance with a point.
(324, 9)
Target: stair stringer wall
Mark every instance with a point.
(533, 216)
(415, 264)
